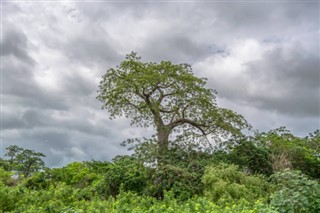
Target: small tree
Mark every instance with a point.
(168, 97)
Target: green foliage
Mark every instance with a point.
(225, 183)
(64, 198)
(169, 177)
(57, 198)
(4, 164)
(312, 154)
(295, 193)
(289, 151)
(137, 184)
(5, 177)
(24, 161)
(182, 168)
(255, 159)
(9, 198)
(77, 174)
(39, 180)
(126, 173)
(169, 98)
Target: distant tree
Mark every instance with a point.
(168, 97)
(24, 161)
(289, 151)
(12, 152)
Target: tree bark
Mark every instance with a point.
(163, 143)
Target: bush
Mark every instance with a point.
(295, 193)
(5, 177)
(125, 172)
(8, 198)
(253, 158)
(179, 180)
(224, 183)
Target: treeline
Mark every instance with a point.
(272, 171)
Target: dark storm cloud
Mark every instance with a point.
(45, 141)
(11, 120)
(15, 43)
(263, 18)
(66, 120)
(65, 138)
(296, 78)
(18, 84)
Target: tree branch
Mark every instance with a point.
(192, 123)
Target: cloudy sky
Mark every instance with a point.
(262, 58)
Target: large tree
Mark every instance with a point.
(168, 97)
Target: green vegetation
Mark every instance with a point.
(177, 170)
(191, 181)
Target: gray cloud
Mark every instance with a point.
(261, 19)
(15, 43)
(18, 84)
(180, 49)
(263, 58)
(93, 48)
(296, 78)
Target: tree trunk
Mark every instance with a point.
(163, 143)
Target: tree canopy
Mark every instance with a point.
(168, 97)
(24, 161)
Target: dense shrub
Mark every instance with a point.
(5, 177)
(225, 182)
(64, 199)
(295, 193)
(190, 180)
(126, 173)
(179, 180)
(252, 157)
(9, 197)
(293, 152)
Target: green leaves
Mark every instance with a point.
(295, 192)
(127, 185)
(168, 97)
(126, 173)
(289, 151)
(249, 156)
(24, 161)
(226, 183)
